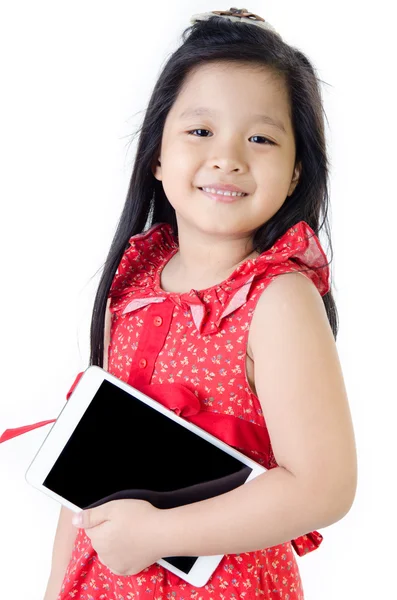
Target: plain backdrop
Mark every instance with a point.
(76, 78)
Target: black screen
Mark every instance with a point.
(123, 448)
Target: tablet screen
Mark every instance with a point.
(123, 448)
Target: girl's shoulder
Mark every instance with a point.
(146, 251)
(297, 250)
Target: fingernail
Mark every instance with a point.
(77, 519)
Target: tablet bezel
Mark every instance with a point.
(69, 418)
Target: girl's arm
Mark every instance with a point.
(301, 390)
(66, 532)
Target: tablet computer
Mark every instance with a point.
(170, 461)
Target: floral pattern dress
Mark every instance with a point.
(188, 351)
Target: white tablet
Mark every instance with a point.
(170, 461)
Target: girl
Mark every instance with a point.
(226, 197)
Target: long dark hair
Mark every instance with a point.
(219, 39)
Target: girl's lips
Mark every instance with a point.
(221, 198)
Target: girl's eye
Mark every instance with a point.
(190, 132)
(260, 137)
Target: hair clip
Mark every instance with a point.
(236, 14)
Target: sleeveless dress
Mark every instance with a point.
(188, 351)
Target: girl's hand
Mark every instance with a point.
(125, 534)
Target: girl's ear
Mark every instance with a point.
(295, 178)
(156, 169)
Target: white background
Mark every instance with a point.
(75, 80)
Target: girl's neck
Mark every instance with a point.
(200, 266)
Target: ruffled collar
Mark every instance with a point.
(137, 281)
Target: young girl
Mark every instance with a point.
(226, 197)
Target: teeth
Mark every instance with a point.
(213, 191)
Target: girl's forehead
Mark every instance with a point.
(215, 71)
(212, 90)
(231, 83)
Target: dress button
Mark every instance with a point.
(158, 321)
(143, 363)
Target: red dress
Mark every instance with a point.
(188, 351)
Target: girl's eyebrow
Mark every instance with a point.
(202, 110)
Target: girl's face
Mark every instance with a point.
(243, 137)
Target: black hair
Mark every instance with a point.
(214, 40)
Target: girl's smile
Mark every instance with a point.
(224, 197)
